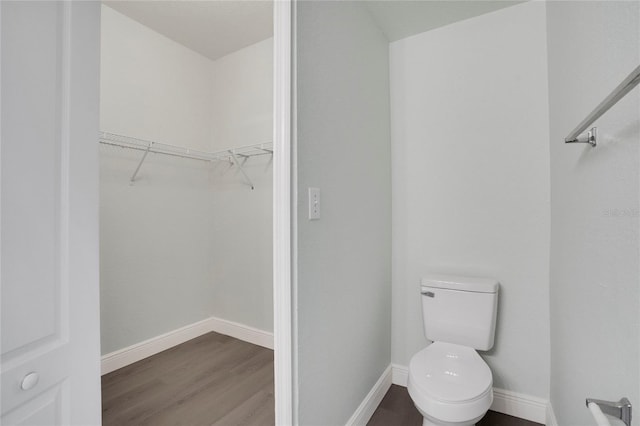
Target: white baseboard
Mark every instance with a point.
(242, 332)
(368, 406)
(123, 357)
(506, 402)
(551, 416)
(400, 374)
(520, 405)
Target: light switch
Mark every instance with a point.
(314, 203)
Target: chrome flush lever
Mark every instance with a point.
(620, 409)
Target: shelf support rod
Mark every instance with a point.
(144, 156)
(235, 159)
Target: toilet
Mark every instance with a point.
(449, 383)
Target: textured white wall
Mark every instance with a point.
(242, 256)
(152, 87)
(343, 259)
(155, 245)
(187, 241)
(242, 96)
(471, 180)
(595, 304)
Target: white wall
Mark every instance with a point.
(469, 116)
(242, 256)
(187, 241)
(242, 96)
(343, 260)
(155, 247)
(595, 305)
(151, 86)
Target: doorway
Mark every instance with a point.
(186, 202)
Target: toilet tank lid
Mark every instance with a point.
(460, 283)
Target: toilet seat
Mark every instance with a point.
(451, 383)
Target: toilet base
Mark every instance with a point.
(427, 422)
(430, 421)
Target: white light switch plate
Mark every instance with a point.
(314, 203)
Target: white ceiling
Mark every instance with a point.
(215, 28)
(211, 28)
(401, 18)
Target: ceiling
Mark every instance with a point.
(401, 18)
(211, 28)
(216, 28)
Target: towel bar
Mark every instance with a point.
(619, 409)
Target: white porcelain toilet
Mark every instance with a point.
(450, 384)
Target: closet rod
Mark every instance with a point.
(618, 93)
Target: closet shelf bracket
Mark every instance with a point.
(144, 156)
(239, 165)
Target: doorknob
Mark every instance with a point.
(29, 381)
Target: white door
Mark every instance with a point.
(50, 348)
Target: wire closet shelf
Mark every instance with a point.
(236, 155)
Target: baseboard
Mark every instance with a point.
(123, 357)
(506, 402)
(519, 405)
(242, 332)
(400, 374)
(368, 406)
(551, 416)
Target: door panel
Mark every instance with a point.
(49, 221)
(45, 409)
(31, 180)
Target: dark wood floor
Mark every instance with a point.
(210, 380)
(397, 409)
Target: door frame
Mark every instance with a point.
(283, 299)
(282, 215)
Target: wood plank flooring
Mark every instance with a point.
(397, 409)
(211, 380)
(221, 381)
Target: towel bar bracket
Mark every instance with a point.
(590, 138)
(619, 409)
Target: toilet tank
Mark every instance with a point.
(460, 310)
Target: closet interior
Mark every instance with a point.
(185, 190)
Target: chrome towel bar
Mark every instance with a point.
(618, 93)
(619, 409)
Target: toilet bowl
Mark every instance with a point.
(450, 385)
